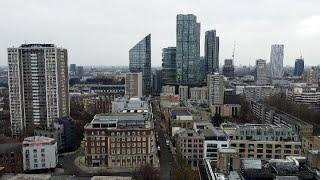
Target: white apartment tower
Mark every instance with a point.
(215, 84)
(38, 86)
(276, 61)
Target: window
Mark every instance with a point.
(42, 150)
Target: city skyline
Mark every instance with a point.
(297, 30)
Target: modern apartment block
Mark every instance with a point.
(39, 153)
(133, 84)
(214, 139)
(215, 84)
(140, 61)
(270, 115)
(264, 141)
(304, 95)
(120, 140)
(211, 52)
(190, 144)
(38, 86)
(261, 72)
(276, 61)
(169, 65)
(188, 49)
(258, 93)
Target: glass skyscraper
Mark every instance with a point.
(276, 61)
(211, 51)
(169, 65)
(298, 67)
(140, 61)
(188, 49)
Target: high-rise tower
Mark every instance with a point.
(140, 61)
(276, 61)
(298, 67)
(169, 65)
(211, 51)
(188, 49)
(38, 86)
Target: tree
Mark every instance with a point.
(147, 172)
(182, 170)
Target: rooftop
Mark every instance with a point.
(37, 139)
(180, 112)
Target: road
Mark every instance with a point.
(165, 154)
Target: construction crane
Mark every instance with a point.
(234, 49)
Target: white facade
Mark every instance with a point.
(39, 153)
(183, 93)
(169, 90)
(276, 61)
(255, 93)
(199, 95)
(215, 86)
(38, 86)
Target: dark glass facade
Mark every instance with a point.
(140, 61)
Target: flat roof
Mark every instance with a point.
(180, 112)
(37, 140)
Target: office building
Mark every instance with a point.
(202, 74)
(38, 86)
(80, 71)
(228, 68)
(133, 85)
(215, 84)
(73, 69)
(261, 72)
(211, 52)
(140, 61)
(188, 49)
(157, 82)
(39, 153)
(169, 65)
(169, 89)
(120, 140)
(130, 105)
(298, 67)
(199, 95)
(276, 61)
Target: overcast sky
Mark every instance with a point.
(101, 32)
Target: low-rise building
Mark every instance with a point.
(271, 115)
(228, 160)
(179, 118)
(199, 95)
(190, 144)
(183, 93)
(304, 95)
(169, 89)
(39, 152)
(214, 139)
(257, 93)
(130, 105)
(120, 140)
(264, 141)
(11, 157)
(98, 104)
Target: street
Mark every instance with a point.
(165, 155)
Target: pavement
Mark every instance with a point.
(165, 155)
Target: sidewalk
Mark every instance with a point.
(80, 163)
